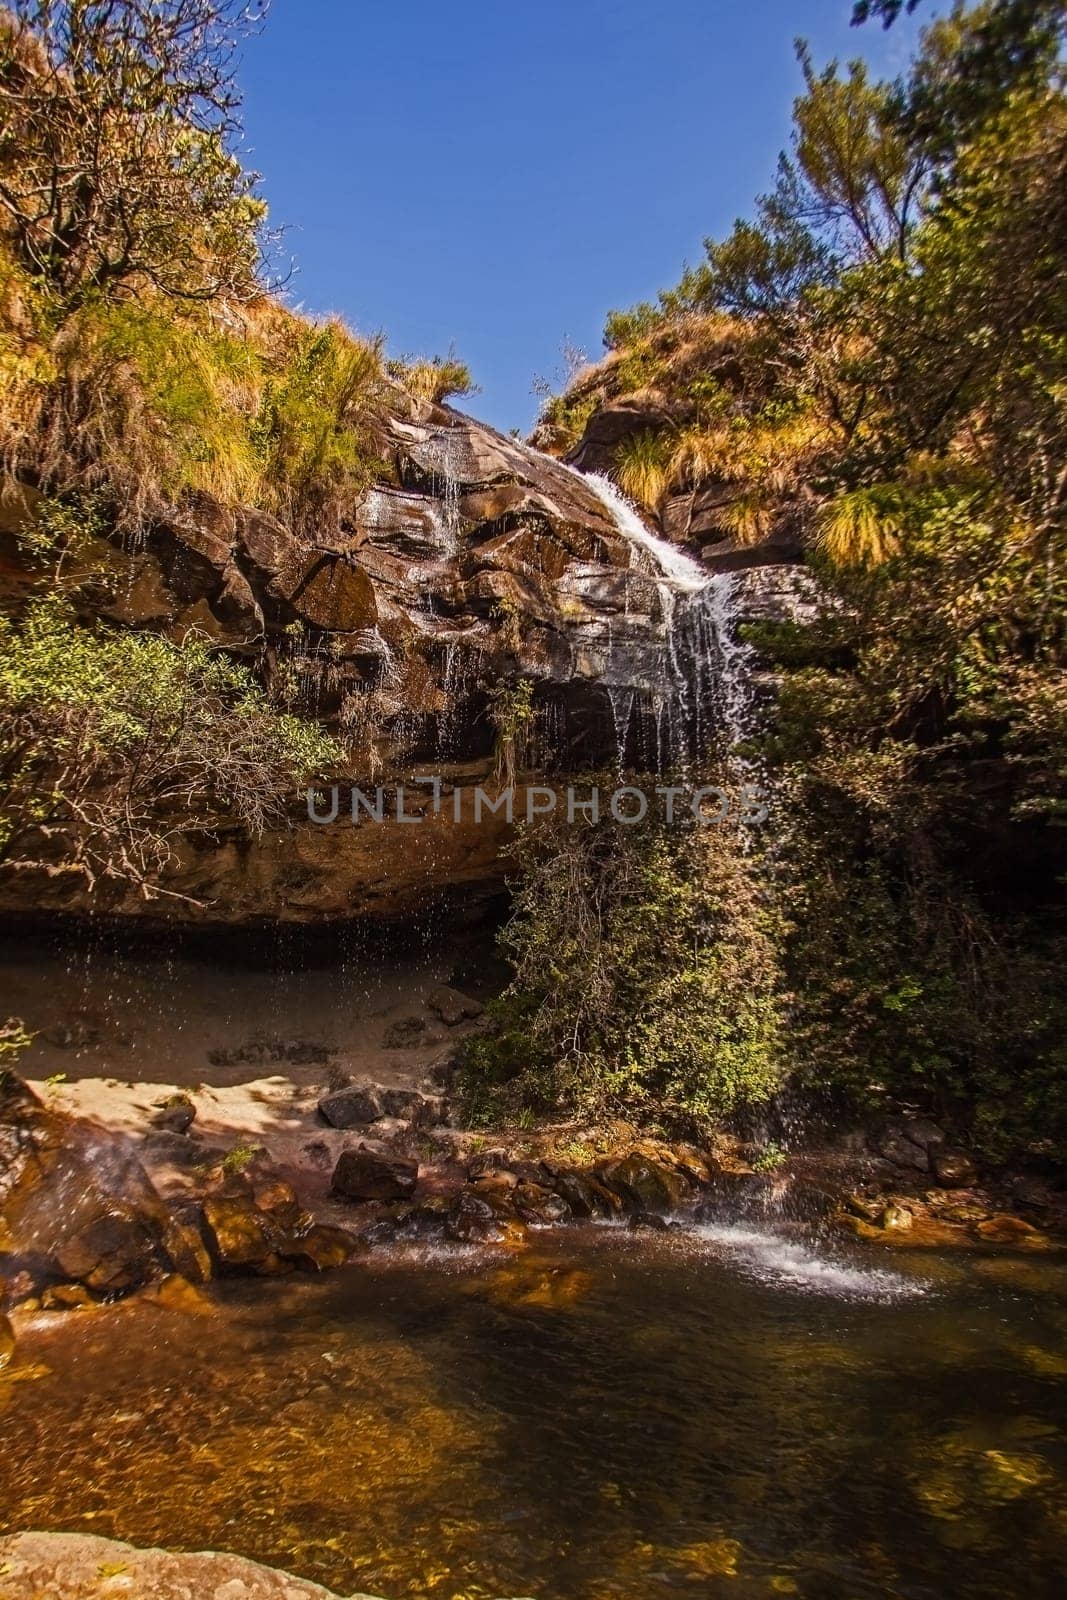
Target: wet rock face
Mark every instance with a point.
(475, 563)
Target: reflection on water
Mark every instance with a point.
(607, 1417)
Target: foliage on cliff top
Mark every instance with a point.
(141, 353)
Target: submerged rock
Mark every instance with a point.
(369, 1175)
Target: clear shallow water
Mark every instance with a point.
(606, 1416)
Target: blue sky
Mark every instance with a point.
(495, 176)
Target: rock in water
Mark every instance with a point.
(7, 1341)
(643, 1184)
(367, 1175)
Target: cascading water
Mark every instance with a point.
(705, 678)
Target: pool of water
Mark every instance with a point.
(604, 1416)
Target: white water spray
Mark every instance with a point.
(707, 674)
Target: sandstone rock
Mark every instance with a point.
(643, 1184)
(535, 1204)
(349, 1108)
(1028, 1190)
(239, 1235)
(161, 1148)
(650, 1220)
(175, 1115)
(473, 1221)
(585, 1195)
(897, 1218)
(869, 1207)
(73, 1566)
(366, 1175)
(966, 1213)
(66, 1297)
(609, 426)
(186, 1245)
(1006, 1229)
(451, 1006)
(408, 1033)
(113, 1253)
(954, 1168)
(320, 1248)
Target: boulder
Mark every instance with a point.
(320, 1248)
(240, 1236)
(368, 1175)
(356, 1106)
(896, 1218)
(175, 1115)
(75, 1203)
(112, 1254)
(538, 1205)
(585, 1195)
(408, 1033)
(411, 1105)
(73, 1566)
(451, 1006)
(650, 1220)
(953, 1168)
(473, 1221)
(895, 1147)
(7, 1341)
(643, 1184)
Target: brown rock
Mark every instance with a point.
(321, 1247)
(953, 1168)
(451, 1006)
(239, 1236)
(333, 593)
(643, 1184)
(111, 1254)
(366, 1175)
(351, 1107)
(1006, 1229)
(473, 1221)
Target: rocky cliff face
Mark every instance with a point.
(476, 565)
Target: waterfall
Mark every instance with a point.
(706, 676)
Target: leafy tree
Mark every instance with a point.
(115, 744)
(117, 168)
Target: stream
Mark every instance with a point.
(603, 1416)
